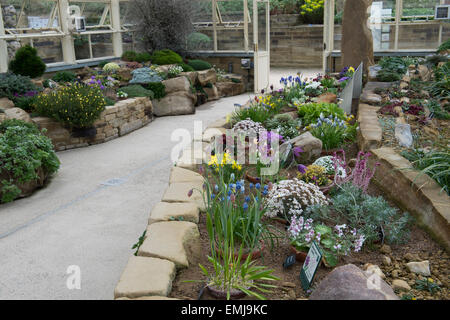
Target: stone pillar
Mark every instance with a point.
(357, 42)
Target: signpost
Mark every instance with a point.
(310, 266)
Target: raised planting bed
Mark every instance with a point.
(407, 128)
(217, 209)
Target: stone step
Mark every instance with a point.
(165, 211)
(176, 241)
(144, 276)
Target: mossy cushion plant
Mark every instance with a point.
(136, 90)
(199, 65)
(27, 63)
(64, 76)
(158, 89)
(186, 67)
(23, 152)
(129, 56)
(163, 57)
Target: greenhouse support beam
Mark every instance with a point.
(3, 48)
(67, 45)
(115, 24)
(246, 15)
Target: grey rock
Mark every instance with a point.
(403, 135)
(351, 283)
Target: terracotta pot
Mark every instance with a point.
(252, 179)
(300, 256)
(222, 295)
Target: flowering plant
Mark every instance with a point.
(291, 197)
(331, 131)
(315, 174)
(175, 71)
(361, 174)
(328, 163)
(121, 94)
(334, 242)
(224, 164)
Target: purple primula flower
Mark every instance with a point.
(343, 79)
(190, 193)
(301, 168)
(297, 151)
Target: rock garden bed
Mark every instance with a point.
(318, 193)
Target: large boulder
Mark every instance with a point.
(357, 41)
(207, 76)
(212, 93)
(311, 146)
(229, 89)
(173, 104)
(5, 103)
(17, 113)
(192, 76)
(351, 283)
(177, 84)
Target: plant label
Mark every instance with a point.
(290, 261)
(310, 266)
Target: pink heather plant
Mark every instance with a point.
(361, 174)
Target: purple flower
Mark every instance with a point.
(190, 193)
(301, 168)
(297, 151)
(343, 79)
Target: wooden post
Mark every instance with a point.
(214, 16)
(246, 25)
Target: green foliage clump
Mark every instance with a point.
(166, 56)
(129, 56)
(199, 65)
(285, 125)
(136, 90)
(435, 163)
(158, 89)
(143, 57)
(13, 84)
(441, 84)
(27, 63)
(64, 77)
(111, 67)
(23, 151)
(186, 67)
(256, 112)
(371, 215)
(393, 68)
(310, 112)
(444, 46)
(76, 106)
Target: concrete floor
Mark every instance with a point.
(78, 220)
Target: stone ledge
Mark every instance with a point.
(178, 192)
(145, 276)
(370, 133)
(176, 241)
(418, 194)
(165, 211)
(184, 175)
(193, 155)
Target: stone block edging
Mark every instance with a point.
(416, 193)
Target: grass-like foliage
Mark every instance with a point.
(136, 90)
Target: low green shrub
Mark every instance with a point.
(285, 125)
(12, 85)
(136, 90)
(143, 57)
(198, 41)
(311, 112)
(64, 77)
(111, 67)
(129, 56)
(444, 46)
(23, 150)
(199, 65)
(166, 56)
(158, 89)
(27, 63)
(76, 106)
(186, 67)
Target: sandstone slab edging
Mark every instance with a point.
(176, 241)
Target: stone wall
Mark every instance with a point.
(118, 120)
